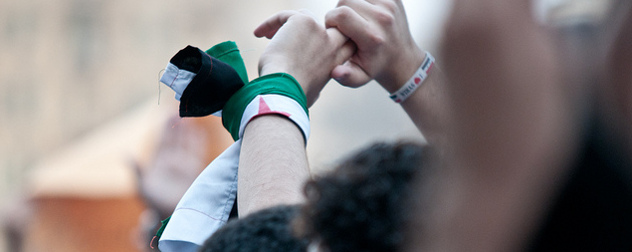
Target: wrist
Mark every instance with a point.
(415, 81)
(278, 84)
(309, 85)
(270, 66)
(400, 72)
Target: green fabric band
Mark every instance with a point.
(228, 53)
(277, 83)
(154, 241)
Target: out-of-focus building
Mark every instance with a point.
(70, 69)
(68, 66)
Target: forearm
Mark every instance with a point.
(273, 164)
(508, 133)
(429, 108)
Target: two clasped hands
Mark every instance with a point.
(360, 41)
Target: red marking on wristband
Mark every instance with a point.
(430, 67)
(153, 244)
(264, 109)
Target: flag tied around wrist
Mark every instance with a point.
(216, 82)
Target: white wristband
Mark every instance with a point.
(276, 104)
(415, 81)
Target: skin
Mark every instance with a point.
(512, 130)
(503, 126)
(502, 116)
(273, 163)
(303, 48)
(616, 96)
(387, 52)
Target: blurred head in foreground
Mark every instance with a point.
(362, 204)
(265, 230)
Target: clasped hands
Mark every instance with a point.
(360, 41)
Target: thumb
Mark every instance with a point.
(350, 74)
(270, 26)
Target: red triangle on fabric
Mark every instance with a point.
(264, 109)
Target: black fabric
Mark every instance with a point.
(215, 82)
(233, 212)
(594, 209)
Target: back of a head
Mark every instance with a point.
(361, 205)
(265, 230)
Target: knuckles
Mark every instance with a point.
(385, 18)
(375, 39)
(306, 21)
(391, 6)
(339, 15)
(343, 3)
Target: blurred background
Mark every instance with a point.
(83, 118)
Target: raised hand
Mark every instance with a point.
(302, 48)
(386, 50)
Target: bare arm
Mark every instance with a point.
(500, 113)
(510, 131)
(273, 163)
(387, 53)
(429, 109)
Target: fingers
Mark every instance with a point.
(347, 50)
(363, 6)
(336, 37)
(350, 75)
(270, 26)
(348, 20)
(350, 23)
(359, 5)
(391, 5)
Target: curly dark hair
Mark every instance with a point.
(262, 231)
(361, 205)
